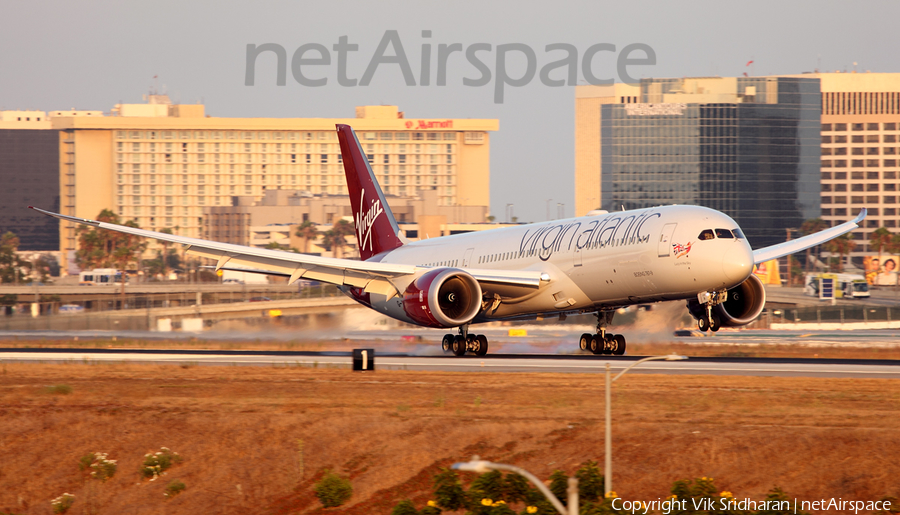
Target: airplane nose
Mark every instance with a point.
(737, 263)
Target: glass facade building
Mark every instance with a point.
(749, 147)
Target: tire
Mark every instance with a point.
(703, 324)
(447, 343)
(459, 346)
(584, 343)
(595, 346)
(620, 345)
(608, 344)
(481, 343)
(714, 323)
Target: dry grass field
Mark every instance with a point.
(255, 439)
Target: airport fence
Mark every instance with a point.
(844, 317)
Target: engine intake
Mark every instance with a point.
(444, 297)
(744, 303)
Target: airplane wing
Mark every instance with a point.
(373, 277)
(818, 238)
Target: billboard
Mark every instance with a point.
(768, 273)
(881, 271)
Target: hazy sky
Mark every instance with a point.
(60, 55)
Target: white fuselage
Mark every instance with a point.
(592, 262)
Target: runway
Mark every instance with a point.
(774, 367)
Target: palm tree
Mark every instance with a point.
(338, 233)
(307, 230)
(811, 226)
(334, 241)
(842, 245)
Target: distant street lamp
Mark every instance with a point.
(607, 472)
(480, 466)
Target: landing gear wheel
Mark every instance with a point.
(609, 344)
(596, 345)
(584, 343)
(715, 323)
(703, 323)
(447, 343)
(481, 345)
(459, 346)
(620, 345)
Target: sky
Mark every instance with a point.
(92, 55)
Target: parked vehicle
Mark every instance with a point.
(847, 286)
(100, 276)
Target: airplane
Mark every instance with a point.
(596, 263)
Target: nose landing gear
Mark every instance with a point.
(707, 319)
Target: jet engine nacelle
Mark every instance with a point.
(744, 303)
(444, 297)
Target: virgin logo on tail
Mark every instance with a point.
(365, 221)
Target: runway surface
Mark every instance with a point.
(580, 363)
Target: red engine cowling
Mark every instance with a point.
(444, 297)
(744, 303)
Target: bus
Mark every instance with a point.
(100, 276)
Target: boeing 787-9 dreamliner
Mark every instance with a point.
(591, 264)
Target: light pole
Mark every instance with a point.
(607, 470)
(481, 466)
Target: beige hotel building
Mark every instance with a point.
(162, 164)
(860, 143)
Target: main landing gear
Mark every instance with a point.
(603, 342)
(465, 342)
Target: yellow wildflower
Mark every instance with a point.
(726, 494)
(432, 504)
(531, 509)
(486, 502)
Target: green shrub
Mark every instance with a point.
(487, 486)
(559, 485)
(156, 464)
(98, 465)
(174, 488)
(333, 490)
(515, 488)
(59, 389)
(448, 491)
(405, 507)
(62, 503)
(590, 482)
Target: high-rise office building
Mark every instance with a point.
(29, 162)
(746, 146)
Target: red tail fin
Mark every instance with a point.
(376, 229)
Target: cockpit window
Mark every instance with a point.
(723, 233)
(707, 234)
(739, 235)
